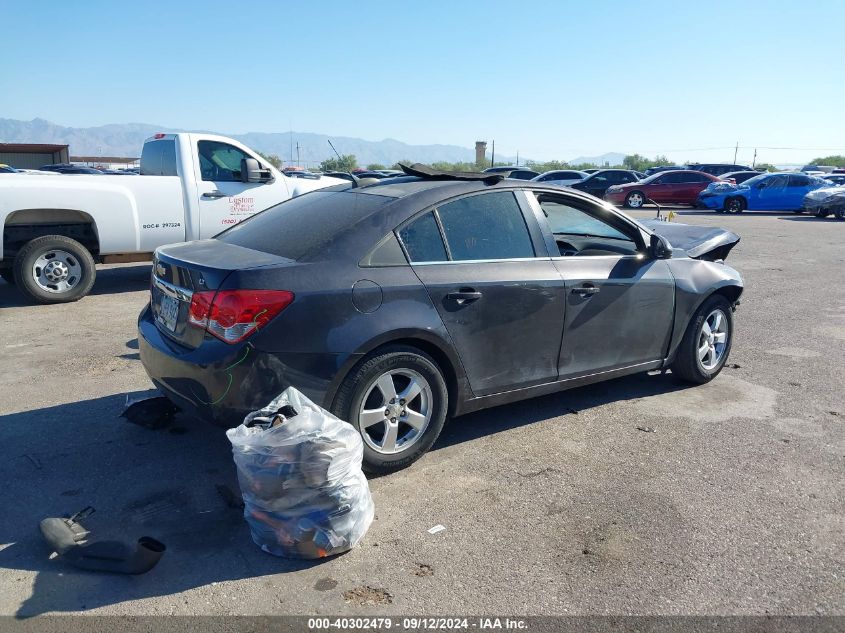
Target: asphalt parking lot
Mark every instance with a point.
(637, 496)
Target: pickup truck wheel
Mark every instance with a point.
(7, 275)
(54, 269)
(706, 343)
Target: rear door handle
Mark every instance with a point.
(464, 296)
(587, 290)
(213, 195)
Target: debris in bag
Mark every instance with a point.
(150, 411)
(299, 468)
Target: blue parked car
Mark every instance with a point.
(766, 192)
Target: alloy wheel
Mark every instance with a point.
(713, 340)
(395, 411)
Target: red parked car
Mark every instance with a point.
(680, 186)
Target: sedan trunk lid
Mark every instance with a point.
(180, 270)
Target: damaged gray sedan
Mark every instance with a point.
(827, 201)
(400, 303)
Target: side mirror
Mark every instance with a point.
(251, 171)
(660, 248)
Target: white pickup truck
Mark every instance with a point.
(192, 186)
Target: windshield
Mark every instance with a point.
(756, 179)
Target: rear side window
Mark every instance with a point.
(799, 181)
(487, 226)
(158, 158)
(305, 226)
(422, 240)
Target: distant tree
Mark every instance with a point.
(347, 162)
(273, 159)
(459, 166)
(641, 163)
(549, 165)
(375, 166)
(837, 161)
(765, 167)
(404, 161)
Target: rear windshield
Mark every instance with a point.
(300, 226)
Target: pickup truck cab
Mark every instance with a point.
(192, 186)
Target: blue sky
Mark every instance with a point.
(547, 79)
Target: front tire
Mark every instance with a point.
(397, 399)
(821, 213)
(635, 200)
(735, 205)
(54, 269)
(707, 342)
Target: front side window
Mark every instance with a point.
(487, 226)
(567, 220)
(220, 162)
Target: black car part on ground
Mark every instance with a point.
(67, 537)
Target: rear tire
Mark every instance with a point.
(387, 421)
(635, 200)
(821, 213)
(693, 362)
(54, 269)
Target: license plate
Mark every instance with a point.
(168, 312)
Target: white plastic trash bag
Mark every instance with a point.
(299, 469)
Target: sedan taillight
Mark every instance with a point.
(233, 315)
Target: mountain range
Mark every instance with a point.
(125, 139)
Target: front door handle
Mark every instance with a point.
(464, 296)
(213, 195)
(587, 290)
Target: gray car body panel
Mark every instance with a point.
(516, 348)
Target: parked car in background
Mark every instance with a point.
(739, 176)
(397, 304)
(717, 169)
(6, 169)
(822, 202)
(680, 186)
(66, 168)
(561, 176)
(656, 170)
(766, 192)
(520, 173)
(818, 169)
(596, 184)
(836, 179)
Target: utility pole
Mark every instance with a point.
(736, 149)
(493, 155)
(517, 158)
(297, 153)
(754, 161)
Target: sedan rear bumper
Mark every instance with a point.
(221, 383)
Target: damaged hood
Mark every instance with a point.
(825, 197)
(696, 242)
